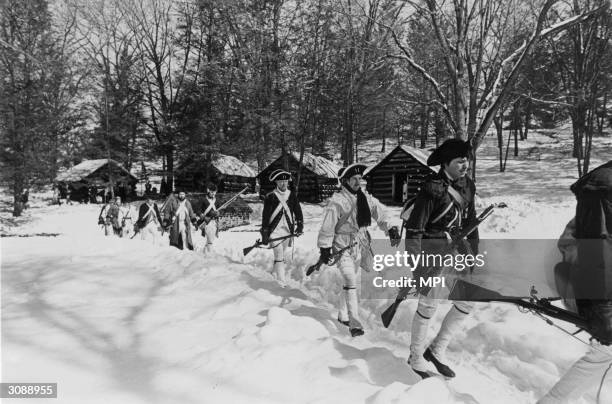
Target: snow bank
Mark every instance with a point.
(125, 321)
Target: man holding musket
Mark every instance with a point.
(149, 220)
(345, 221)
(444, 204)
(281, 217)
(210, 217)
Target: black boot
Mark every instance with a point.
(442, 368)
(346, 323)
(356, 332)
(424, 375)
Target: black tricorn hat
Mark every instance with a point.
(449, 150)
(353, 169)
(279, 175)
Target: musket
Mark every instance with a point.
(335, 256)
(389, 313)
(258, 243)
(225, 205)
(534, 304)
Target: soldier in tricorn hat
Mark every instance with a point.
(346, 219)
(444, 204)
(282, 216)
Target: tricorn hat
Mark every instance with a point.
(353, 169)
(449, 150)
(279, 175)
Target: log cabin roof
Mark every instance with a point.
(319, 166)
(225, 164)
(420, 155)
(85, 168)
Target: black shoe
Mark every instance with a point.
(346, 323)
(424, 375)
(356, 332)
(442, 368)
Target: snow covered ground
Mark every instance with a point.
(125, 321)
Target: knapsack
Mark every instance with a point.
(591, 273)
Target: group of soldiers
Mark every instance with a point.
(443, 206)
(176, 217)
(443, 209)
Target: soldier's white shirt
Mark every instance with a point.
(339, 231)
(282, 228)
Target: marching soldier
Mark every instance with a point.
(444, 204)
(149, 221)
(210, 217)
(111, 217)
(346, 219)
(179, 216)
(282, 216)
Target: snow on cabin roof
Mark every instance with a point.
(85, 168)
(419, 155)
(151, 168)
(230, 165)
(318, 165)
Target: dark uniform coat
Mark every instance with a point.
(144, 218)
(437, 214)
(169, 217)
(294, 218)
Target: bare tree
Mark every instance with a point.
(109, 47)
(164, 65)
(582, 59)
(481, 68)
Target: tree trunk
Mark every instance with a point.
(499, 128)
(516, 124)
(18, 186)
(507, 150)
(424, 126)
(516, 132)
(399, 136)
(461, 97)
(384, 130)
(527, 118)
(170, 169)
(349, 151)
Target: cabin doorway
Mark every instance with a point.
(399, 188)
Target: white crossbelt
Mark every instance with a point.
(282, 206)
(210, 207)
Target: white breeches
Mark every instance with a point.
(349, 304)
(280, 257)
(210, 232)
(150, 232)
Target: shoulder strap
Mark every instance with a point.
(149, 212)
(287, 210)
(458, 199)
(211, 206)
(456, 196)
(281, 205)
(344, 219)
